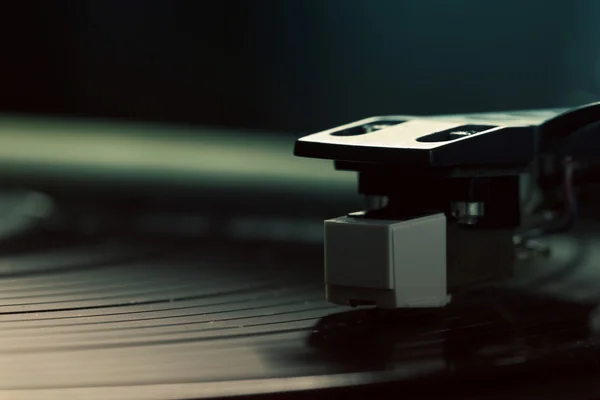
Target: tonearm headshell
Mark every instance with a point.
(444, 199)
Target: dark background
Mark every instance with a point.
(293, 65)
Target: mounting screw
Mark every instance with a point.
(467, 212)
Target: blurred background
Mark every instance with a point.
(209, 96)
(294, 66)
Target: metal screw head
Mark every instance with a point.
(467, 212)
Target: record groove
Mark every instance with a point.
(104, 316)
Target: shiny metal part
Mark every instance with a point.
(467, 212)
(376, 202)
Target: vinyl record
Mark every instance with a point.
(151, 319)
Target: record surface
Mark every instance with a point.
(150, 319)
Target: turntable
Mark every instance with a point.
(193, 268)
